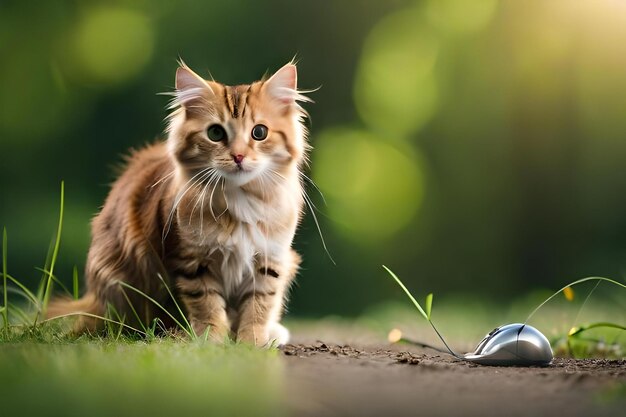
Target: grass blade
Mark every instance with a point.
(20, 314)
(46, 266)
(132, 307)
(415, 303)
(55, 279)
(55, 252)
(577, 330)
(429, 305)
(130, 287)
(75, 282)
(19, 292)
(95, 316)
(5, 294)
(32, 297)
(569, 285)
(112, 312)
(189, 326)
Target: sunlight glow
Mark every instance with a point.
(395, 88)
(373, 189)
(113, 44)
(461, 16)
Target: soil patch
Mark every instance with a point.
(390, 380)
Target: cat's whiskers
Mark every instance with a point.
(202, 203)
(199, 199)
(196, 200)
(212, 184)
(198, 183)
(274, 176)
(312, 208)
(211, 199)
(196, 197)
(178, 199)
(223, 196)
(314, 185)
(200, 196)
(164, 178)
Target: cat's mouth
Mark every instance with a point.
(239, 175)
(240, 170)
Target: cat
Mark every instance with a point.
(210, 213)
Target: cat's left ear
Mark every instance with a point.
(283, 85)
(191, 89)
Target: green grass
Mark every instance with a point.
(92, 377)
(46, 371)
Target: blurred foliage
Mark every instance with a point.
(474, 147)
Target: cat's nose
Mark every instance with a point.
(238, 158)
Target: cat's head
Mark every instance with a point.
(242, 132)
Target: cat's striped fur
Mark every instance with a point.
(215, 219)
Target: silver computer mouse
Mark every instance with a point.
(512, 344)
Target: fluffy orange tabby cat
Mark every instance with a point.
(211, 212)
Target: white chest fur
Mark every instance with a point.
(244, 243)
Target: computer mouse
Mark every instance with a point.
(512, 344)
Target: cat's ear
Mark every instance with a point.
(283, 85)
(191, 89)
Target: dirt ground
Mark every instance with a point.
(399, 380)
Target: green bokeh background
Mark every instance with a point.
(475, 147)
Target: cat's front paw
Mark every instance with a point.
(274, 334)
(213, 333)
(254, 335)
(278, 334)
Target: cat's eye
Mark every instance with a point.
(216, 133)
(259, 132)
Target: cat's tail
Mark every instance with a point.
(86, 309)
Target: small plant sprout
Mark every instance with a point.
(577, 342)
(424, 312)
(585, 346)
